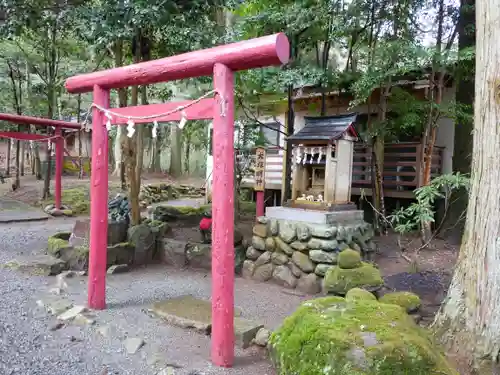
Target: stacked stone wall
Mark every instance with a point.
(297, 254)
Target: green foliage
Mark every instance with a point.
(409, 219)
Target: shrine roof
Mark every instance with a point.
(326, 128)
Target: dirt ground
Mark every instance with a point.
(428, 277)
(31, 189)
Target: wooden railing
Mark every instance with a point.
(401, 173)
(402, 168)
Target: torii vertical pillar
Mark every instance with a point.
(98, 204)
(223, 219)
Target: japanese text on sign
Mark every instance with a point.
(260, 166)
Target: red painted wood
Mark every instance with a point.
(59, 143)
(98, 204)
(248, 54)
(223, 219)
(260, 206)
(26, 136)
(28, 120)
(203, 110)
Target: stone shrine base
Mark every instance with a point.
(295, 247)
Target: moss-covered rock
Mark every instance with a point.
(407, 300)
(57, 242)
(356, 294)
(339, 280)
(179, 213)
(332, 336)
(349, 259)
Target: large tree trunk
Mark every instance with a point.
(462, 148)
(470, 316)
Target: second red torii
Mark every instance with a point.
(57, 139)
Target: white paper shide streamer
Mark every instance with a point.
(108, 122)
(155, 129)
(183, 120)
(130, 119)
(130, 128)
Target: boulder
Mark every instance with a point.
(258, 243)
(339, 280)
(349, 259)
(303, 232)
(248, 269)
(279, 258)
(302, 261)
(263, 259)
(287, 231)
(117, 232)
(253, 253)
(263, 272)
(407, 300)
(320, 256)
(297, 272)
(239, 258)
(283, 246)
(317, 243)
(284, 277)
(260, 230)
(57, 242)
(262, 220)
(359, 294)
(332, 336)
(309, 283)
(273, 227)
(323, 231)
(38, 265)
(322, 268)
(198, 255)
(262, 337)
(270, 244)
(143, 239)
(300, 246)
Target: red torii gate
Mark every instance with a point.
(57, 139)
(220, 61)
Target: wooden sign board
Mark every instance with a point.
(260, 169)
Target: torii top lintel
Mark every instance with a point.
(38, 121)
(249, 54)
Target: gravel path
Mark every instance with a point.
(28, 346)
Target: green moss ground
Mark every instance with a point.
(339, 281)
(78, 199)
(356, 294)
(407, 300)
(349, 259)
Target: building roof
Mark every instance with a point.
(326, 128)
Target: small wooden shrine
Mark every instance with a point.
(322, 161)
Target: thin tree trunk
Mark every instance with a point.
(175, 152)
(187, 151)
(131, 149)
(23, 161)
(7, 161)
(78, 119)
(470, 316)
(51, 99)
